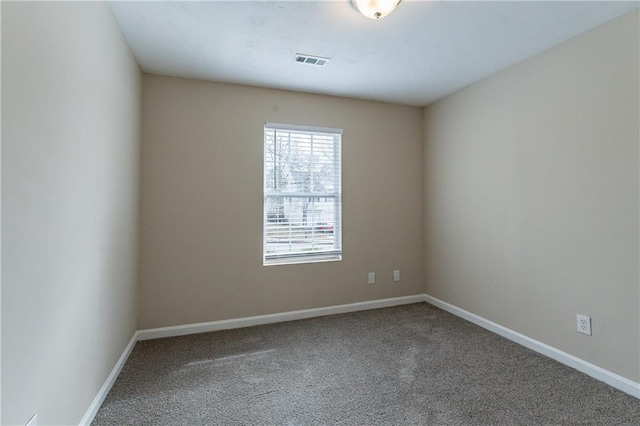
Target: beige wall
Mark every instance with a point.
(70, 165)
(201, 235)
(531, 207)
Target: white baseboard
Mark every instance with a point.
(203, 327)
(106, 387)
(615, 380)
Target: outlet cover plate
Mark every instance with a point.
(372, 277)
(584, 324)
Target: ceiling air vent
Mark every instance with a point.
(310, 60)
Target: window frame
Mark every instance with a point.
(301, 258)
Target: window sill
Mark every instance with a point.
(300, 260)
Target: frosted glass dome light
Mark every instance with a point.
(375, 9)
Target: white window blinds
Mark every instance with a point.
(302, 194)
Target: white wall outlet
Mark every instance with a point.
(396, 275)
(372, 277)
(33, 421)
(584, 324)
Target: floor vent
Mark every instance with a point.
(310, 60)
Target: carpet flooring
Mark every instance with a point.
(405, 365)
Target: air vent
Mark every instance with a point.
(310, 60)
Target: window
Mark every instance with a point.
(302, 194)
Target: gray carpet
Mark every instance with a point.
(413, 364)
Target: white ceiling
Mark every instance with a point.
(422, 52)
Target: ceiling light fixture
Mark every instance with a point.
(375, 9)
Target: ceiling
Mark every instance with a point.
(422, 52)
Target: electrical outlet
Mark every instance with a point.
(396, 275)
(372, 277)
(584, 324)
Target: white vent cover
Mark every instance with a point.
(301, 58)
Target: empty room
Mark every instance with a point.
(352, 212)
